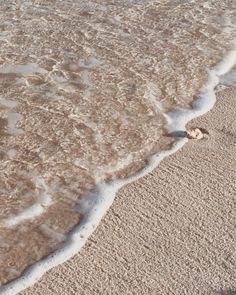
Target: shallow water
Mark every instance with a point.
(84, 91)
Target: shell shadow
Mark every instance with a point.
(177, 134)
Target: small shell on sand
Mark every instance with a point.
(195, 133)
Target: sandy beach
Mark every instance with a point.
(171, 232)
(91, 95)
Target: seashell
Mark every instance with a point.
(195, 133)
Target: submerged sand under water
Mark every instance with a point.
(83, 90)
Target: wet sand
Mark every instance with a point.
(173, 231)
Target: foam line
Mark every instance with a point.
(28, 213)
(44, 200)
(95, 204)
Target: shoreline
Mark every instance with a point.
(98, 202)
(169, 232)
(94, 96)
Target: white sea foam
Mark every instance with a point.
(95, 205)
(27, 213)
(12, 119)
(229, 78)
(8, 103)
(22, 69)
(44, 200)
(11, 153)
(177, 119)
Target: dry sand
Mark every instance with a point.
(172, 232)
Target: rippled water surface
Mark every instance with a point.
(83, 89)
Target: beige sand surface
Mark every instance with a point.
(172, 232)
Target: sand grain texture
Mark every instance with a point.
(172, 232)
